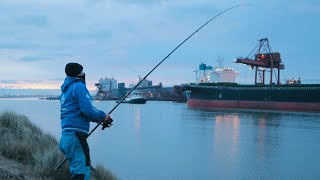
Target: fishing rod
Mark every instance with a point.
(108, 123)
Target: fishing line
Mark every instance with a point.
(137, 85)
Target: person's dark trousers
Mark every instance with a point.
(75, 147)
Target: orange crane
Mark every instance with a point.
(262, 58)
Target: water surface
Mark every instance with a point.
(166, 140)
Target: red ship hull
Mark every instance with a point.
(304, 106)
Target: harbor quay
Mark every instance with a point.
(109, 89)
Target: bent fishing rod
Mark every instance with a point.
(108, 123)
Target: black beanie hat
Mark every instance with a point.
(73, 69)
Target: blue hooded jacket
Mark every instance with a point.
(76, 106)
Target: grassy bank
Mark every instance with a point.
(29, 153)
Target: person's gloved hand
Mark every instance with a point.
(107, 122)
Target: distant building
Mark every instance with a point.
(107, 88)
(107, 84)
(121, 85)
(122, 89)
(144, 83)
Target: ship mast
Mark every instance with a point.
(196, 72)
(262, 58)
(220, 61)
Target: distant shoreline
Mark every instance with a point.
(19, 98)
(180, 100)
(117, 99)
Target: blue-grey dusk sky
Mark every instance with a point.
(127, 38)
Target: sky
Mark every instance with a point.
(125, 39)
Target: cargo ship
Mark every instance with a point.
(261, 95)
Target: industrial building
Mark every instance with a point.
(109, 89)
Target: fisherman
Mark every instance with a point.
(76, 113)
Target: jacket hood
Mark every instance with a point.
(68, 81)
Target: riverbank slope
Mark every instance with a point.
(26, 152)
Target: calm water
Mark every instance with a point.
(166, 140)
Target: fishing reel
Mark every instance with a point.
(107, 123)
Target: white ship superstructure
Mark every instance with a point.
(225, 75)
(207, 73)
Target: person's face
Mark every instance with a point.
(82, 75)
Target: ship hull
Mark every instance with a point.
(254, 105)
(135, 101)
(302, 97)
(138, 101)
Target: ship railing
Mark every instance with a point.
(258, 88)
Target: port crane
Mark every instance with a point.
(261, 58)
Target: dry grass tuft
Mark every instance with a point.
(24, 142)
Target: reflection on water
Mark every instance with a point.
(262, 144)
(222, 122)
(137, 120)
(165, 140)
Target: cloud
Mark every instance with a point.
(309, 7)
(16, 45)
(32, 20)
(21, 81)
(33, 58)
(94, 34)
(118, 53)
(45, 57)
(8, 81)
(38, 37)
(32, 81)
(33, 84)
(56, 79)
(112, 24)
(33, 3)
